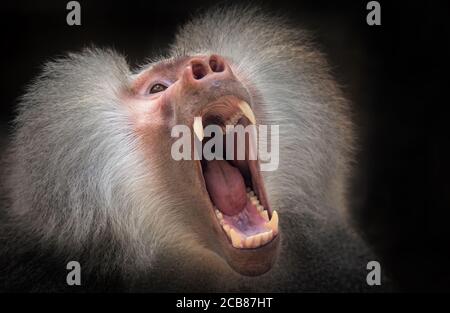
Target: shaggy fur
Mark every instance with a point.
(78, 188)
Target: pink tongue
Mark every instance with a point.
(226, 187)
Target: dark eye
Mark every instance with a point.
(157, 88)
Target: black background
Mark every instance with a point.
(395, 74)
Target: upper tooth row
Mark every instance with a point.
(248, 242)
(244, 110)
(231, 122)
(234, 119)
(252, 241)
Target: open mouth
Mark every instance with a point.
(234, 184)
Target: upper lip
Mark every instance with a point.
(224, 111)
(228, 89)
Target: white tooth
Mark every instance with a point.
(273, 223)
(251, 193)
(260, 208)
(270, 236)
(249, 242)
(265, 237)
(219, 215)
(257, 241)
(254, 200)
(235, 239)
(226, 228)
(245, 108)
(198, 127)
(265, 216)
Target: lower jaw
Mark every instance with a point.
(258, 226)
(244, 257)
(250, 262)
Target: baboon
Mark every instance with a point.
(89, 176)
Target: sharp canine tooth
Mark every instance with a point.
(198, 127)
(273, 223)
(235, 239)
(247, 111)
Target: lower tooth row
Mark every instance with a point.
(252, 241)
(254, 200)
(265, 215)
(255, 240)
(248, 242)
(258, 240)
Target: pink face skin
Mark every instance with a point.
(154, 108)
(172, 93)
(192, 83)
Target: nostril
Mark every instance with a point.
(199, 70)
(216, 64)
